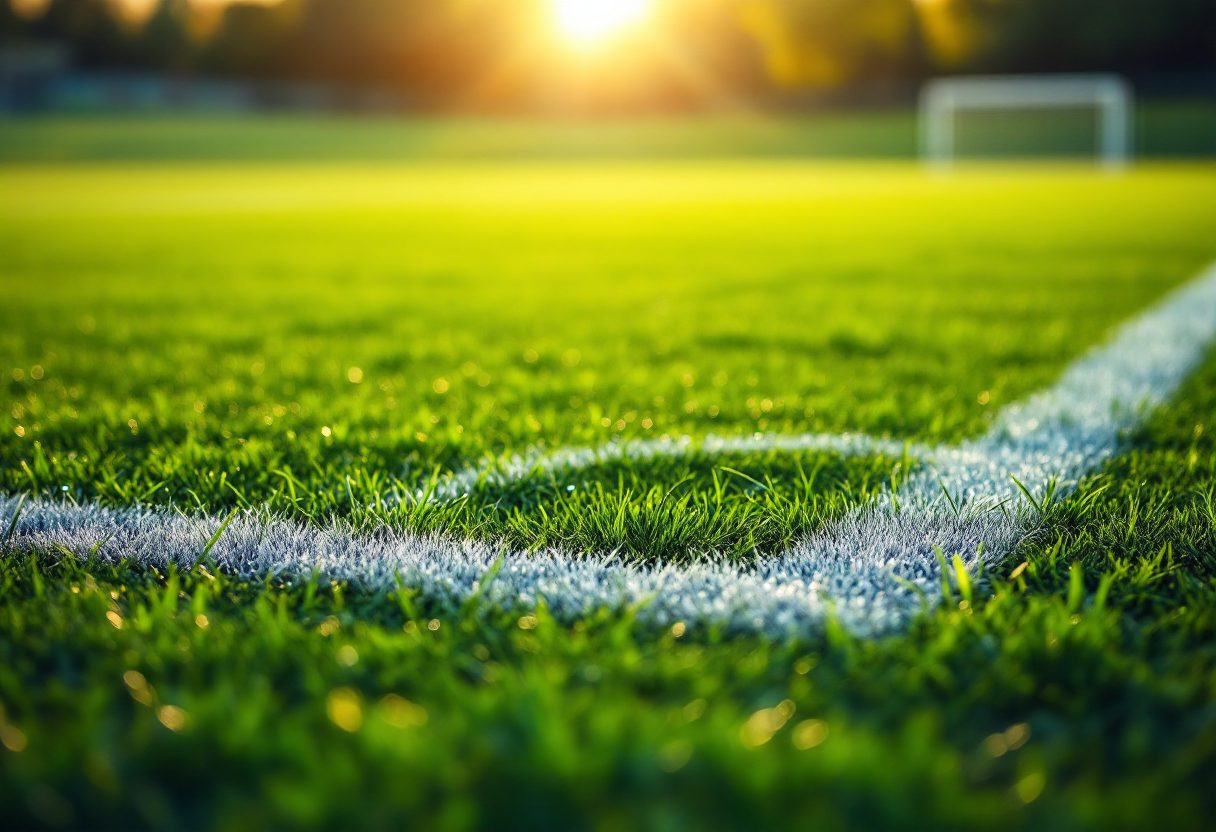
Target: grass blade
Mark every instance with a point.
(953, 505)
(947, 591)
(963, 578)
(215, 538)
(12, 526)
(1026, 492)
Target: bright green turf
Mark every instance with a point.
(1165, 128)
(196, 327)
(872, 298)
(882, 134)
(604, 727)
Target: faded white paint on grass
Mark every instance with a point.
(863, 565)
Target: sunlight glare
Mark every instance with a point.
(586, 21)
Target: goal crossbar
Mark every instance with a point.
(1110, 95)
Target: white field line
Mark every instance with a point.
(861, 566)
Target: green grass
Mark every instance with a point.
(184, 334)
(196, 328)
(1164, 128)
(1106, 690)
(882, 134)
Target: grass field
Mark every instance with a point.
(1181, 128)
(323, 338)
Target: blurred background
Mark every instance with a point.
(840, 77)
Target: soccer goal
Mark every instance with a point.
(1107, 97)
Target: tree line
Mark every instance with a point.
(503, 53)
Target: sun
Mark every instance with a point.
(588, 21)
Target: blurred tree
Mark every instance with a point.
(720, 58)
(1070, 35)
(503, 53)
(90, 27)
(251, 40)
(164, 42)
(13, 27)
(431, 47)
(829, 43)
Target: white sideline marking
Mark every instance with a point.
(860, 566)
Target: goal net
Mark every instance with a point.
(1026, 115)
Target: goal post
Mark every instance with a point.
(1109, 95)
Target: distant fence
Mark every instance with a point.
(38, 78)
(111, 92)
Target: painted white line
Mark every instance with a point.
(861, 565)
